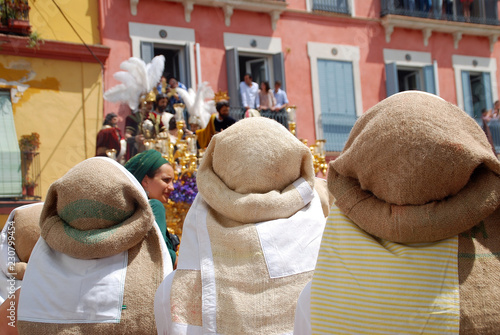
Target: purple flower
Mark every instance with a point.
(185, 189)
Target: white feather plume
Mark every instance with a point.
(154, 71)
(199, 103)
(137, 78)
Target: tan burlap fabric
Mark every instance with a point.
(416, 169)
(26, 233)
(321, 186)
(89, 213)
(95, 211)
(246, 177)
(399, 138)
(252, 168)
(27, 230)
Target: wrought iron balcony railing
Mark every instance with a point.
(334, 6)
(478, 12)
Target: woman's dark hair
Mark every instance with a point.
(266, 84)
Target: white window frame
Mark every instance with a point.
(466, 63)
(243, 43)
(142, 32)
(309, 6)
(417, 59)
(335, 52)
(265, 47)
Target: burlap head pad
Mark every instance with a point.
(95, 211)
(251, 166)
(27, 230)
(416, 168)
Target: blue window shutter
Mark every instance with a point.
(337, 99)
(233, 77)
(487, 90)
(279, 70)
(430, 85)
(10, 155)
(147, 51)
(391, 79)
(467, 93)
(187, 68)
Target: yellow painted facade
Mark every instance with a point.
(63, 102)
(50, 23)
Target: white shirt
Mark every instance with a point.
(281, 98)
(249, 95)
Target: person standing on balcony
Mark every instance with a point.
(249, 91)
(281, 104)
(280, 96)
(437, 8)
(266, 97)
(424, 5)
(466, 4)
(495, 112)
(409, 5)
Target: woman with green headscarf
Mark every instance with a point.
(156, 176)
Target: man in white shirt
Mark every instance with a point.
(249, 91)
(280, 96)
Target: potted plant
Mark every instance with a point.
(17, 13)
(29, 186)
(29, 143)
(34, 40)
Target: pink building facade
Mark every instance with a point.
(336, 58)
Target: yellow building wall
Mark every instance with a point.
(64, 100)
(63, 104)
(51, 21)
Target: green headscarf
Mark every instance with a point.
(141, 164)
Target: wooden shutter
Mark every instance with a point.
(467, 93)
(430, 85)
(391, 79)
(187, 66)
(279, 70)
(338, 106)
(233, 77)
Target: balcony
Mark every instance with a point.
(333, 6)
(272, 7)
(14, 17)
(454, 17)
(479, 12)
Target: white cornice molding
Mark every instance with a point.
(428, 26)
(273, 7)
